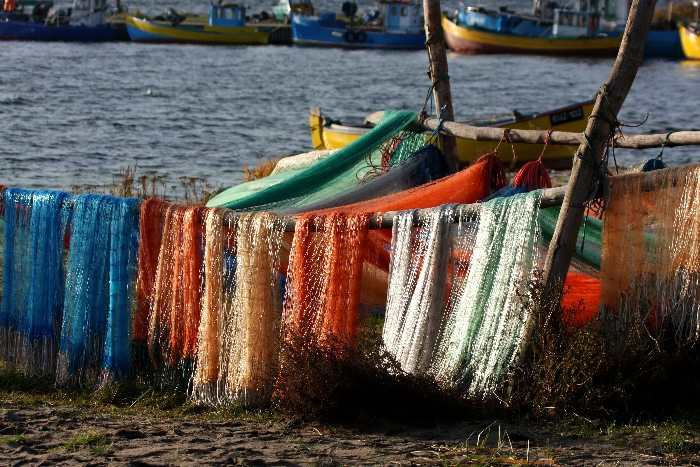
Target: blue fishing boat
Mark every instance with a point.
(394, 25)
(663, 43)
(548, 29)
(42, 21)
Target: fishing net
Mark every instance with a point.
(581, 298)
(487, 307)
(238, 349)
(32, 293)
(588, 242)
(339, 172)
(177, 292)
(2, 241)
(150, 238)
(100, 277)
(466, 186)
(420, 249)
(651, 257)
(426, 165)
(321, 302)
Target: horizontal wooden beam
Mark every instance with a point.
(549, 197)
(484, 133)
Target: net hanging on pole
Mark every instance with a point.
(177, 291)
(651, 257)
(238, 346)
(99, 291)
(488, 260)
(417, 286)
(32, 293)
(321, 301)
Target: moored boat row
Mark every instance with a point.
(580, 29)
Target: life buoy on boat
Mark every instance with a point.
(349, 36)
(360, 36)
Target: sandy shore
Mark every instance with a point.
(48, 434)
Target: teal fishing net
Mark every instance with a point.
(340, 172)
(588, 242)
(425, 165)
(99, 293)
(32, 294)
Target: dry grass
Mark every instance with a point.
(358, 384)
(150, 184)
(603, 370)
(263, 169)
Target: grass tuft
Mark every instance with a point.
(98, 443)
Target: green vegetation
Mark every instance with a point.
(99, 444)
(11, 440)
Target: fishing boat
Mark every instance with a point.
(396, 24)
(690, 39)
(558, 31)
(42, 21)
(327, 133)
(226, 25)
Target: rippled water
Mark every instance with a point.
(76, 114)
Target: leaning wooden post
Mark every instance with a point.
(437, 55)
(586, 168)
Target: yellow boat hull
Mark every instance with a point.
(690, 41)
(474, 41)
(573, 118)
(151, 31)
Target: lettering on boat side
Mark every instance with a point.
(566, 116)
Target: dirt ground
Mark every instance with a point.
(52, 434)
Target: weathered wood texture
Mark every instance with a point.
(437, 55)
(480, 133)
(586, 167)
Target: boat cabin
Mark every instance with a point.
(90, 13)
(285, 8)
(575, 23)
(402, 16)
(226, 14)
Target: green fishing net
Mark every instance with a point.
(338, 173)
(588, 243)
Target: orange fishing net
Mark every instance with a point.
(466, 186)
(581, 298)
(650, 256)
(176, 301)
(150, 238)
(324, 276)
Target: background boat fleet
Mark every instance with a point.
(578, 27)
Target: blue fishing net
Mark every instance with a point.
(100, 288)
(32, 276)
(123, 269)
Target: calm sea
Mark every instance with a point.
(77, 114)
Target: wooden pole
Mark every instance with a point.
(586, 168)
(437, 55)
(567, 138)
